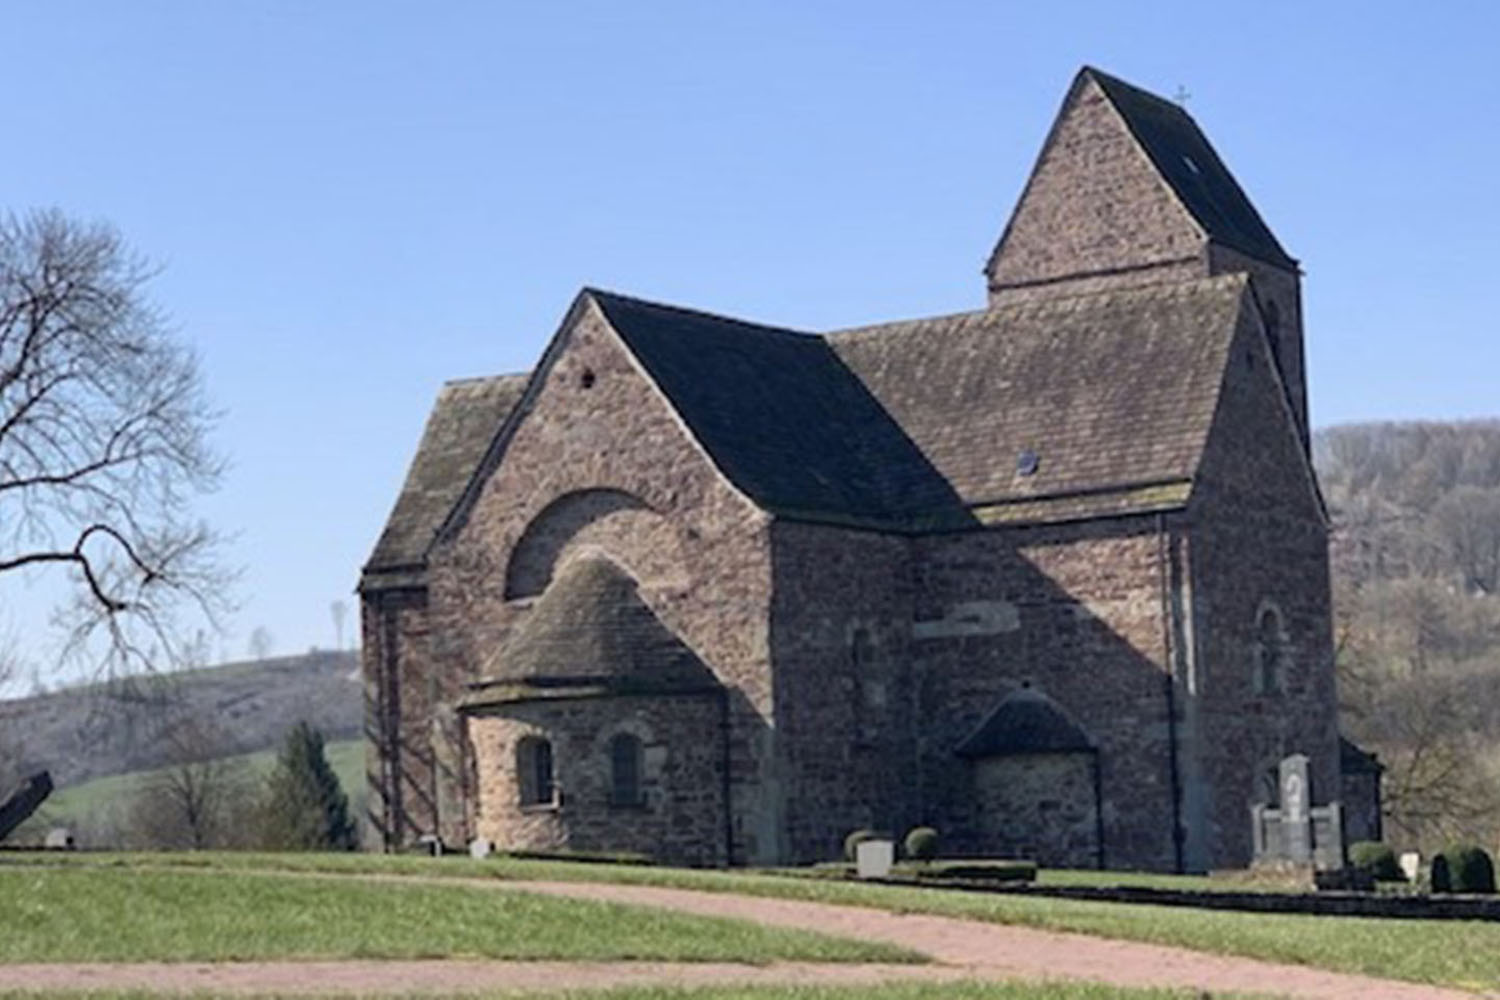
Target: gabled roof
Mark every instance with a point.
(911, 426)
(1183, 156)
(779, 412)
(1113, 393)
(1025, 722)
(463, 420)
(591, 629)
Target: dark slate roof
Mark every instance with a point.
(1183, 156)
(1113, 392)
(779, 412)
(591, 628)
(1353, 760)
(1025, 722)
(465, 417)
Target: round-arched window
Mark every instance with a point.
(534, 771)
(625, 770)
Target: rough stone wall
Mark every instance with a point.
(1280, 294)
(1258, 539)
(399, 713)
(840, 639)
(698, 548)
(1095, 212)
(681, 817)
(1038, 806)
(1077, 611)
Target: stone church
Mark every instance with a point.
(1051, 576)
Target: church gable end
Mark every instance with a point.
(1095, 208)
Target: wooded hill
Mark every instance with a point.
(105, 729)
(1416, 569)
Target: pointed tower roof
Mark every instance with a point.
(1183, 156)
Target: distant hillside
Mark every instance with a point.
(91, 732)
(1416, 570)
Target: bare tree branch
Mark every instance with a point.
(103, 441)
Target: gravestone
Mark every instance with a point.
(480, 847)
(1296, 815)
(1295, 831)
(873, 858)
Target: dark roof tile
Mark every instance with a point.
(1025, 722)
(1185, 159)
(465, 417)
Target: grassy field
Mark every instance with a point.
(1456, 953)
(902, 991)
(82, 913)
(81, 805)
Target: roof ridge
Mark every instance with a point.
(477, 379)
(603, 293)
(1107, 79)
(1055, 302)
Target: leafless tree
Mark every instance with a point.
(260, 643)
(340, 611)
(201, 799)
(1466, 523)
(103, 440)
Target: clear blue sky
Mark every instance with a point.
(356, 201)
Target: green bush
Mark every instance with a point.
(852, 842)
(1378, 859)
(921, 843)
(1440, 879)
(1469, 869)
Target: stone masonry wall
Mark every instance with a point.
(681, 818)
(1280, 295)
(1258, 540)
(1076, 610)
(840, 637)
(698, 548)
(1038, 806)
(398, 716)
(1095, 209)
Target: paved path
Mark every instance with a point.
(960, 949)
(996, 951)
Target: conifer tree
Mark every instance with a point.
(305, 808)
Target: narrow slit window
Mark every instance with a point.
(625, 770)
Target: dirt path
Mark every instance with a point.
(367, 977)
(995, 951)
(960, 949)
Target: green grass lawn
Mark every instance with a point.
(1456, 953)
(901, 991)
(118, 914)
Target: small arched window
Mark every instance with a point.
(1270, 653)
(625, 770)
(534, 771)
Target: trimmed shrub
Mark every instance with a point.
(1469, 869)
(854, 839)
(921, 843)
(1378, 859)
(1440, 878)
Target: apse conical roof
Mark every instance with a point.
(591, 628)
